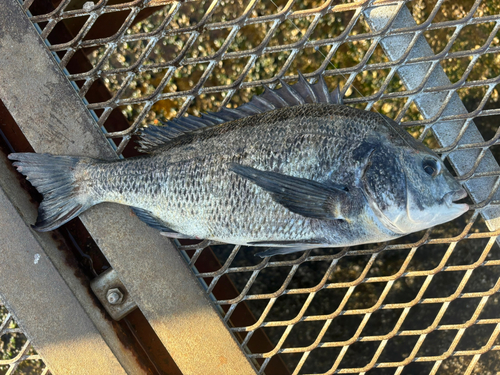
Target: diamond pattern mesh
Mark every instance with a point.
(426, 303)
(17, 356)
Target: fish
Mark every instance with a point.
(291, 170)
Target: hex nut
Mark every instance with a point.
(114, 296)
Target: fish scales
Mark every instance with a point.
(193, 187)
(296, 177)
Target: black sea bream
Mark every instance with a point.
(293, 169)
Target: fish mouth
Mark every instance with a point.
(455, 195)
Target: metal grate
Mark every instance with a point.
(427, 303)
(17, 356)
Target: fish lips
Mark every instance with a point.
(450, 198)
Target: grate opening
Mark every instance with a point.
(17, 356)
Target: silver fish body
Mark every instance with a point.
(311, 175)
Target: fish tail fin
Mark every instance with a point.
(54, 177)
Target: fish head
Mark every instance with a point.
(408, 186)
(432, 191)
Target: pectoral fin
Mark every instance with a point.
(302, 196)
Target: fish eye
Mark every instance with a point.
(431, 167)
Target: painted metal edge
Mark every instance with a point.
(430, 103)
(54, 119)
(43, 304)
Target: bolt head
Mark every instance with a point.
(114, 296)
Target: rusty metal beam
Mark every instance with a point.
(54, 119)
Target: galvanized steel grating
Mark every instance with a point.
(427, 303)
(17, 356)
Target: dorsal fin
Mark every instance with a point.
(154, 137)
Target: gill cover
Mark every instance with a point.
(385, 186)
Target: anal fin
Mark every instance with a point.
(282, 251)
(177, 235)
(156, 223)
(285, 247)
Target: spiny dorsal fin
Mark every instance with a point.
(154, 137)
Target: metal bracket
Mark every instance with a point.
(112, 294)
